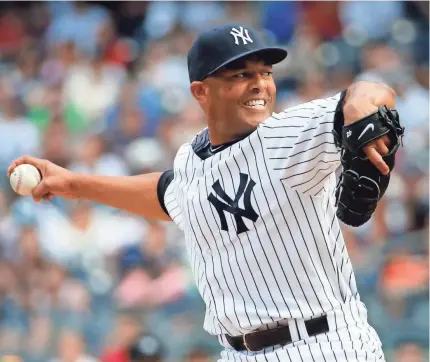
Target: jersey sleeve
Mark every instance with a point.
(167, 196)
(300, 146)
(170, 187)
(164, 181)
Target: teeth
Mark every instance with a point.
(258, 103)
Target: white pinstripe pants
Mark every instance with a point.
(350, 339)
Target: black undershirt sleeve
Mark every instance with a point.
(339, 120)
(163, 183)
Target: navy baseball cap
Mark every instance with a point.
(215, 48)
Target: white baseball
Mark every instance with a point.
(24, 179)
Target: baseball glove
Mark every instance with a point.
(361, 185)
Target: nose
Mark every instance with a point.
(258, 84)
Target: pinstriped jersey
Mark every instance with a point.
(260, 225)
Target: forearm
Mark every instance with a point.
(136, 194)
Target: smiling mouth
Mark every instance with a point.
(256, 104)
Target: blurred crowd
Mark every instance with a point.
(102, 87)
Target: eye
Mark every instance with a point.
(249, 75)
(241, 75)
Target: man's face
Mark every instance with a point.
(241, 97)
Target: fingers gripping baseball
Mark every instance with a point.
(42, 190)
(36, 162)
(55, 179)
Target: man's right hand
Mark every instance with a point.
(135, 194)
(56, 180)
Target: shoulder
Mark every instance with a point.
(200, 141)
(316, 105)
(198, 145)
(299, 114)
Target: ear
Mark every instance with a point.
(199, 91)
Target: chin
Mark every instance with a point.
(256, 118)
(256, 115)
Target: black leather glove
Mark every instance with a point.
(361, 185)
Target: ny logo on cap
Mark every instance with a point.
(243, 34)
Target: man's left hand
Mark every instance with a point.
(361, 100)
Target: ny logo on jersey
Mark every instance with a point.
(243, 34)
(232, 206)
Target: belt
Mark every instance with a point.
(257, 341)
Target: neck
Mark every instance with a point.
(220, 132)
